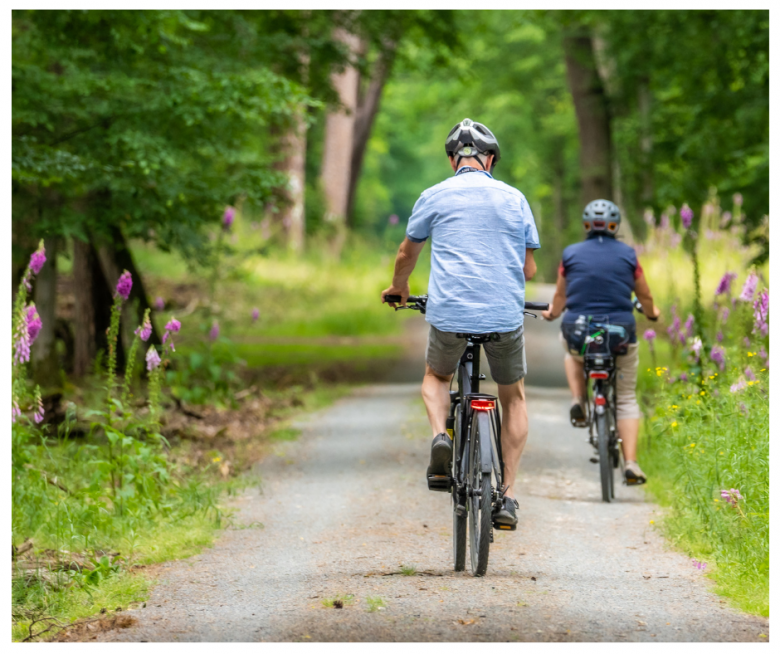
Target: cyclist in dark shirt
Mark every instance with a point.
(596, 278)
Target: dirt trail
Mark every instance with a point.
(346, 507)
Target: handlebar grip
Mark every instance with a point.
(536, 306)
(392, 298)
(637, 305)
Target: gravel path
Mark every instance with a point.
(346, 507)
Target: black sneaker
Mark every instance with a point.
(507, 515)
(441, 455)
(577, 415)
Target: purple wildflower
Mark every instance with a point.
(718, 356)
(649, 336)
(686, 216)
(738, 385)
(696, 346)
(173, 326)
(255, 314)
(664, 223)
(724, 316)
(724, 286)
(689, 325)
(21, 343)
(683, 377)
(699, 565)
(737, 199)
(749, 289)
(393, 219)
(732, 496)
(159, 304)
(719, 336)
(39, 413)
(145, 330)
(214, 332)
(34, 323)
(743, 408)
(749, 375)
(124, 285)
(675, 240)
(152, 358)
(228, 217)
(761, 313)
(746, 341)
(37, 259)
(16, 412)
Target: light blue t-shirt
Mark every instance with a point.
(479, 229)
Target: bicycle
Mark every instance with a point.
(602, 343)
(476, 478)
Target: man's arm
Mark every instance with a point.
(559, 299)
(645, 297)
(529, 269)
(405, 261)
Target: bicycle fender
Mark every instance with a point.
(485, 450)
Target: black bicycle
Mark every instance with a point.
(476, 481)
(601, 344)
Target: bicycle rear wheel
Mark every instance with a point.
(481, 500)
(459, 521)
(605, 458)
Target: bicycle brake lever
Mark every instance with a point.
(533, 315)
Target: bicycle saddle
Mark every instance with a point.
(480, 338)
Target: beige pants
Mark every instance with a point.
(627, 369)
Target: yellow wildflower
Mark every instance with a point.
(674, 424)
(703, 393)
(216, 459)
(750, 354)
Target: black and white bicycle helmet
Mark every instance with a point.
(601, 216)
(470, 139)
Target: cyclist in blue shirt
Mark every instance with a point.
(483, 238)
(596, 278)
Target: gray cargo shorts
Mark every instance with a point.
(506, 357)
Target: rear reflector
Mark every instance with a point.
(600, 400)
(598, 374)
(483, 405)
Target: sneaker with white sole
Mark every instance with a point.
(634, 474)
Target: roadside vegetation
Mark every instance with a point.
(704, 382)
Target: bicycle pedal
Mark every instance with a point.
(460, 510)
(441, 483)
(498, 525)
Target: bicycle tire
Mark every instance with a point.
(480, 505)
(605, 458)
(459, 522)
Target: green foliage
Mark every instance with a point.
(206, 374)
(375, 603)
(706, 429)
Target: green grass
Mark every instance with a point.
(375, 603)
(343, 600)
(696, 442)
(409, 570)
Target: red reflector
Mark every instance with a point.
(601, 400)
(596, 374)
(483, 405)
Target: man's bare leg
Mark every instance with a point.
(628, 428)
(575, 375)
(436, 395)
(514, 429)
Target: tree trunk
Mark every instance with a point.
(339, 136)
(644, 100)
(44, 350)
(115, 257)
(83, 308)
(367, 108)
(292, 162)
(593, 118)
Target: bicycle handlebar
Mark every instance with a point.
(638, 306)
(414, 299)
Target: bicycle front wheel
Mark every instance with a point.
(605, 458)
(481, 499)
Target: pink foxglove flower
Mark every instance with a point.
(15, 411)
(761, 313)
(738, 385)
(124, 285)
(718, 356)
(145, 330)
(39, 413)
(749, 288)
(255, 314)
(686, 216)
(173, 325)
(649, 335)
(152, 359)
(34, 323)
(228, 217)
(696, 346)
(724, 286)
(37, 259)
(214, 332)
(732, 496)
(159, 303)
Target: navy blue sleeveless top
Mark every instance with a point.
(600, 273)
